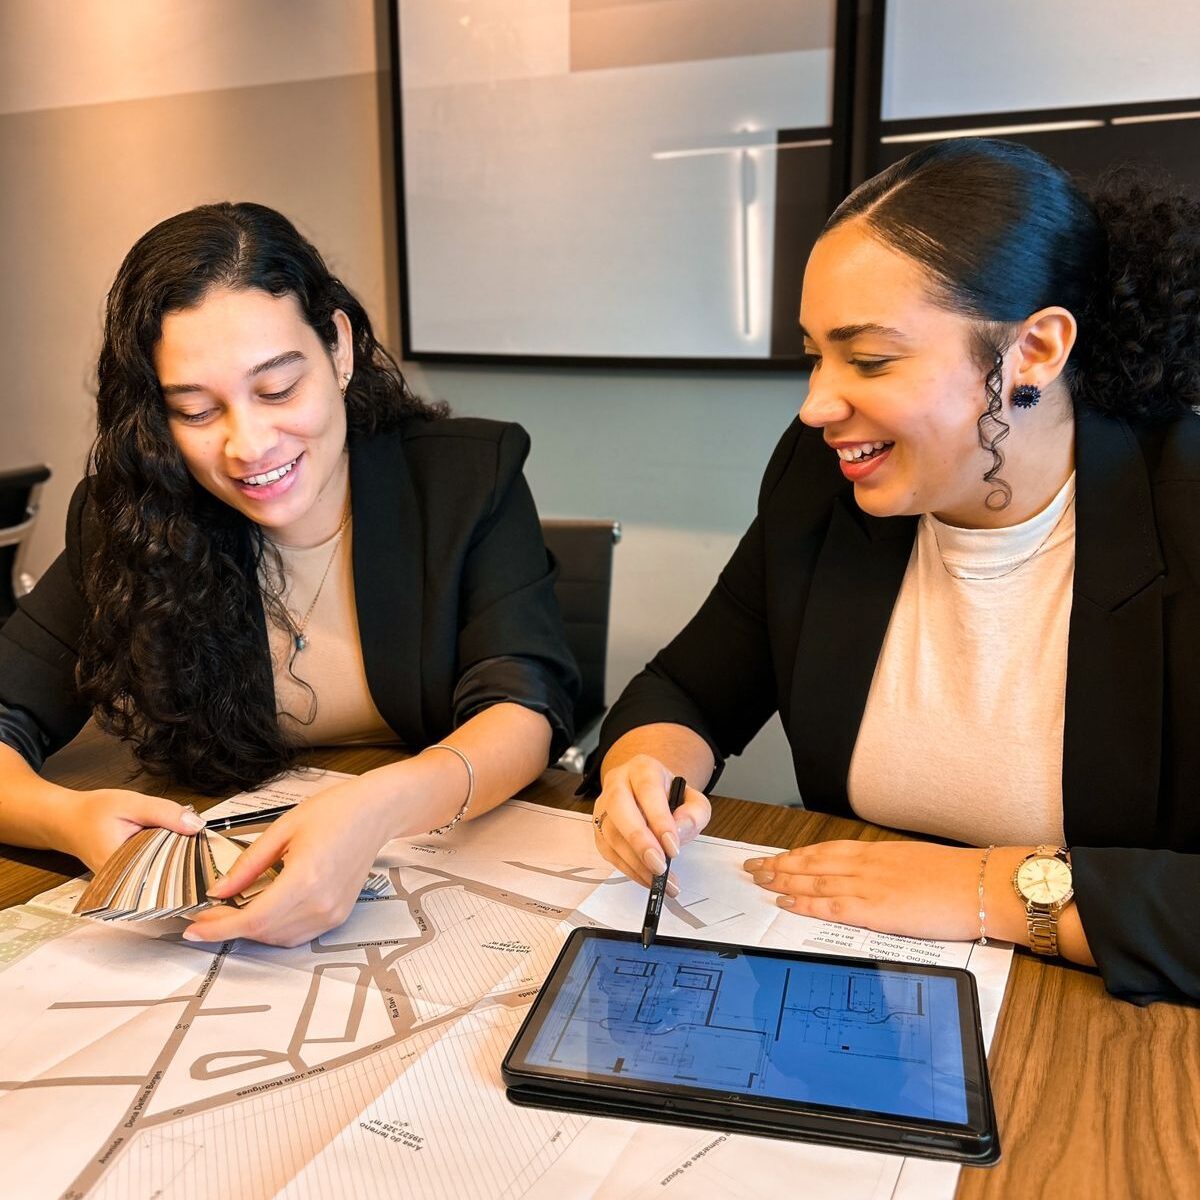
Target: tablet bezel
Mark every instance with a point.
(975, 1142)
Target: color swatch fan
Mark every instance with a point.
(160, 873)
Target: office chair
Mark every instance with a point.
(584, 552)
(18, 511)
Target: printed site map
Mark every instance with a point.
(134, 1065)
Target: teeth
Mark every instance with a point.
(270, 476)
(862, 450)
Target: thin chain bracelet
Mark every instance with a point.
(982, 917)
(466, 762)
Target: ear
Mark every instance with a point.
(343, 352)
(1042, 346)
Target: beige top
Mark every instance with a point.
(321, 691)
(962, 736)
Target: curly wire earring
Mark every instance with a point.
(992, 431)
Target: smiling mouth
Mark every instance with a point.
(272, 476)
(863, 451)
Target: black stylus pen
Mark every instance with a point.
(658, 886)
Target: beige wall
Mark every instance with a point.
(84, 171)
(60, 53)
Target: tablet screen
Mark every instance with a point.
(777, 1027)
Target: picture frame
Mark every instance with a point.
(615, 182)
(1081, 99)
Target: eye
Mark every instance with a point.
(278, 397)
(870, 366)
(197, 418)
(812, 360)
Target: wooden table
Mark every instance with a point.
(1095, 1097)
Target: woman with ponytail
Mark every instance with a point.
(278, 546)
(972, 589)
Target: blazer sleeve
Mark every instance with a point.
(1139, 911)
(40, 706)
(511, 642)
(716, 677)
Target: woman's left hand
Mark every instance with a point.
(918, 889)
(327, 845)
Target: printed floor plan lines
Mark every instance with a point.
(404, 972)
(701, 912)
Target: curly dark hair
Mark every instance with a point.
(1004, 232)
(172, 656)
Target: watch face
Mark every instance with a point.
(1044, 880)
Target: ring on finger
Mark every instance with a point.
(599, 822)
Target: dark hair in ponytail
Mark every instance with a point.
(171, 655)
(1141, 356)
(1005, 232)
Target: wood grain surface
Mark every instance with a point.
(1096, 1098)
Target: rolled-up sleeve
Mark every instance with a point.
(508, 679)
(24, 735)
(1140, 911)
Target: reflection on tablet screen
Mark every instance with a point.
(817, 1033)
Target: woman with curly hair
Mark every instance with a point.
(279, 545)
(971, 590)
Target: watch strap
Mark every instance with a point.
(1043, 929)
(1042, 919)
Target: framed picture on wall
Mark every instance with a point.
(1076, 80)
(614, 181)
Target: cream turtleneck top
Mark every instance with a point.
(962, 733)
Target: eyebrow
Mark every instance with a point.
(285, 359)
(847, 333)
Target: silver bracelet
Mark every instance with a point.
(466, 762)
(982, 868)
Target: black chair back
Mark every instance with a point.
(18, 511)
(584, 551)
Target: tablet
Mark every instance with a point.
(876, 1055)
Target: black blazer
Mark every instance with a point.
(797, 619)
(454, 593)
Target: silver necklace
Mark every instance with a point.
(1028, 558)
(296, 629)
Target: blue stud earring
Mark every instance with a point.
(1026, 395)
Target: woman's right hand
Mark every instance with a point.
(634, 828)
(94, 824)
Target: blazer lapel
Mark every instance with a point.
(854, 587)
(388, 551)
(1112, 735)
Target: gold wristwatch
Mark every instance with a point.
(1043, 882)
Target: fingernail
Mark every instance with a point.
(763, 876)
(193, 822)
(189, 936)
(671, 844)
(685, 828)
(786, 901)
(752, 864)
(672, 887)
(655, 863)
